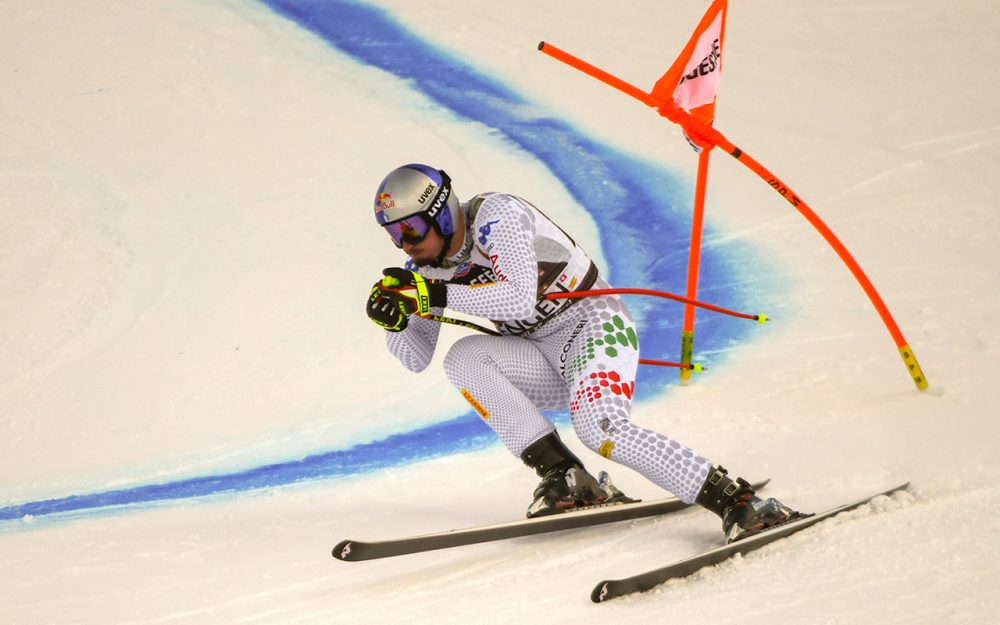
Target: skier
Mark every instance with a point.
(497, 257)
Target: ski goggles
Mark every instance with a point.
(412, 229)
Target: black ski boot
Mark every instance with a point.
(743, 513)
(565, 483)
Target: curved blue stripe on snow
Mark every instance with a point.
(641, 212)
(457, 435)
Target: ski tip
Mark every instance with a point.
(600, 592)
(901, 487)
(343, 550)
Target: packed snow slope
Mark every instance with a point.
(185, 241)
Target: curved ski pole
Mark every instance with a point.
(696, 367)
(663, 294)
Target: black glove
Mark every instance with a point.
(416, 293)
(385, 310)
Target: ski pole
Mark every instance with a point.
(686, 366)
(696, 367)
(462, 323)
(663, 294)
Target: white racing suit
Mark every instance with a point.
(581, 354)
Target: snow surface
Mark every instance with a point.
(184, 242)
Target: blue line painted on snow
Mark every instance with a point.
(641, 212)
(458, 435)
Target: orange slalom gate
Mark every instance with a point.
(708, 137)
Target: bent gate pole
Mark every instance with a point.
(709, 136)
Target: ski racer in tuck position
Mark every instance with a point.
(497, 257)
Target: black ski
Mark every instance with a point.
(354, 550)
(609, 589)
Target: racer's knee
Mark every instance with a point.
(466, 356)
(600, 430)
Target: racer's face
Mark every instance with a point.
(426, 251)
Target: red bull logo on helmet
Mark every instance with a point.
(384, 202)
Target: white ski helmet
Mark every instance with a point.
(414, 198)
